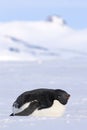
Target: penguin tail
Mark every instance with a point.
(12, 114)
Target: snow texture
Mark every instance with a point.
(31, 41)
(59, 60)
(70, 75)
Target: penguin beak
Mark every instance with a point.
(68, 96)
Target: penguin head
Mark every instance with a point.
(62, 96)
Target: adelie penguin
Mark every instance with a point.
(41, 102)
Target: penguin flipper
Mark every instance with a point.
(45, 104)
(29, 110)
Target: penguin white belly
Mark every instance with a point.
(56, 110)
(18, 110)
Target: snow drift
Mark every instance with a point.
(41, 39)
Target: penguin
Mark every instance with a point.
(41, 102)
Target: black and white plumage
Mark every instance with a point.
(41, 102)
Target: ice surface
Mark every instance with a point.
(69, 74)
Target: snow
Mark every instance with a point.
(59, 60)
(56, 19)
(36, 40)
(68, 74)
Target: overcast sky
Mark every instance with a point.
(73, 11)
